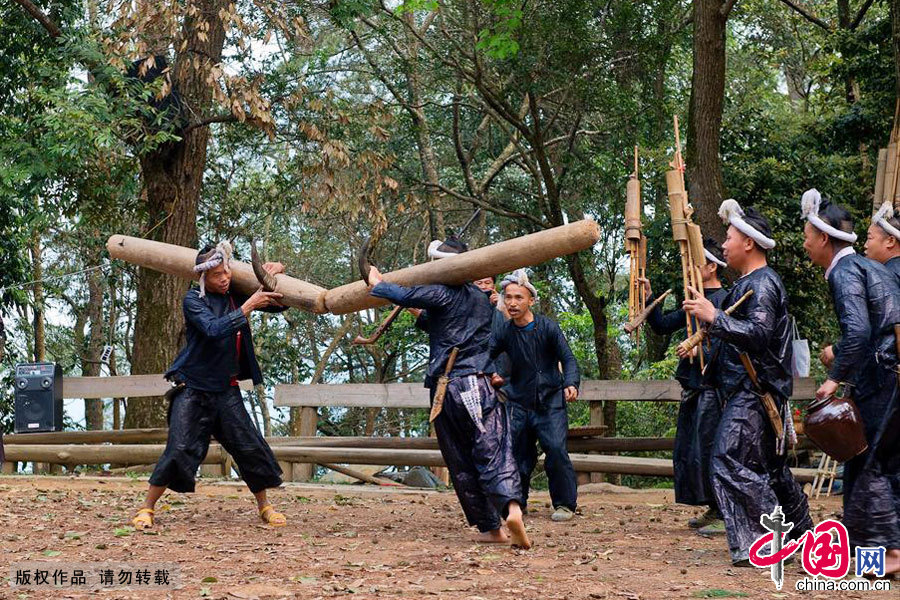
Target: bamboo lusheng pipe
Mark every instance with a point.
(636, 322)
(179, 261)
(635, 243)
(701, 334)
(502, 257)
(685, 233)
(878, 197)
(887, 172)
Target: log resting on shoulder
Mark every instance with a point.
(487, 261)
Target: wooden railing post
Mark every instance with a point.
(596, 409)
(309, 424)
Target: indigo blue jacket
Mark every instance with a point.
(458, 316)
(208, 360)
(535, 354)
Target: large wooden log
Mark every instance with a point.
(179, 261)
(486, 261)
(94, 454)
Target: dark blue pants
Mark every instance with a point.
(698, 419)
(194, 416)
(550, 427)
(750, 478)
(481, 463)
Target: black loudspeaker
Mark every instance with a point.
(39, 400)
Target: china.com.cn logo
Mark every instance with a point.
(826, 550)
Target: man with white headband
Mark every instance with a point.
(701, 403)
(538, 391)
(472, 426)
(206, 400)
(883, 238)
(750, 475)
(866, 298)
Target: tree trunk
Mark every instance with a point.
(895, 28)
(172, 178)
(37, 272)
(704, 165)
(423, 134)
(93, 407)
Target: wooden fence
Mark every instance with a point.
(298, 455)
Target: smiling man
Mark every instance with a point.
(538, 391)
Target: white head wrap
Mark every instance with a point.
(433, 251)
(712, 258)
(732, 214)
(217, 256)
(809, 208)
(881, 219)
(519, 277)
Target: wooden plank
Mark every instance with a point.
(115, 436)
(139, 436)
(96, 454)
(413, 395)
(381, 395)
(667, 390)
(127, 386)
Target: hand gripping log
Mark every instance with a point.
(364, 264)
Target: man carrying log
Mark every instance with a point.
(471, 424)
(538, 392)
(750, 475)
(206, 400)
(701, 404)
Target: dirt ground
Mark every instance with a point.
(376, 543)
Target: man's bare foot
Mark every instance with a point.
(496, 536)
(892, 562)
(516, 525)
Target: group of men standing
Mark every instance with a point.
(727, 456)
(500, 376)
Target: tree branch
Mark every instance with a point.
(727, 7)
(861, 14)
(807, 14)
(203, 122)
(40, 17)
(503, 212)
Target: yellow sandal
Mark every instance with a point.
(144, 519)
(270, 517)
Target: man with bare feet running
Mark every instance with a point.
(472, 426)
